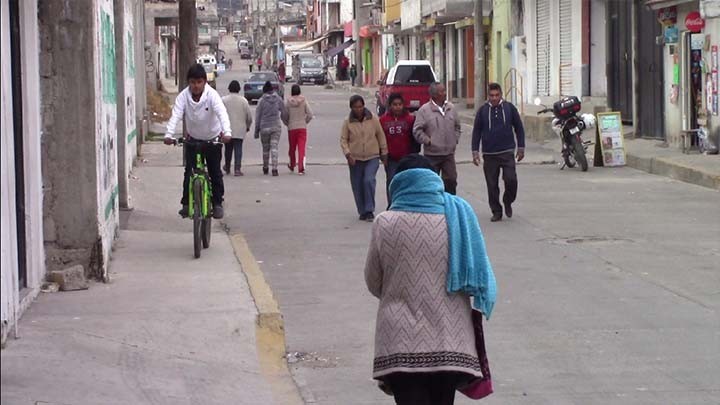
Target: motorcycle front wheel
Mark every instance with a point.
(578, 149)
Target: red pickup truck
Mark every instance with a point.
(409, 78)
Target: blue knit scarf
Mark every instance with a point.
(469, 268)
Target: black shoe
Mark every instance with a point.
(508, 210)
(227, 169)
(184, 211)
(496, 217)
(275, 173)
(218, 212)
(362, 217)
(266, 170)
(369, 217)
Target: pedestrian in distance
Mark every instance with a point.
(363, 143)
(259, 64)
(268, 126)
(397, 123)
(205, 119)
(241, 119)
(296, 116)
(437, 128)
(499, 129)
(353, 74)
(251, 65)
(426, 259)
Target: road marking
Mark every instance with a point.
(269, 327)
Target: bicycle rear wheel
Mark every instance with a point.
(206, 228)
(197, 217)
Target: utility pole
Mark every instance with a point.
(358, 48)
(187, 41)
(479, 56)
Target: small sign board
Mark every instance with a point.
(609, 142)
(220, 67)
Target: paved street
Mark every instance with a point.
(608, 283)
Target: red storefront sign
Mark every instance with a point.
(694, 22)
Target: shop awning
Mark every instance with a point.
(334, 51)
(658, 4)
(305, 45)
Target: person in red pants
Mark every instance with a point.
(296, 117)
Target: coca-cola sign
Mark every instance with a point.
(694, 22)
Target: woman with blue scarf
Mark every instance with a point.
(428, 266)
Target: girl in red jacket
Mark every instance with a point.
(397, 123)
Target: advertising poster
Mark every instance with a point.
(612, 143)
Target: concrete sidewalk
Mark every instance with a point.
(642, 154)
(169, 329)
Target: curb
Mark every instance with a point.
(667, 168)
(269, 328)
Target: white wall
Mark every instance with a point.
(598, 48)
(346, 11)
(8, 234)
(11, 303)
(106, 130)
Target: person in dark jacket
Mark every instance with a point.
(397, 123)
(497, 126)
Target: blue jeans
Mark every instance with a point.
(390, 170)
(362, 180)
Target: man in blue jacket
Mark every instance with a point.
(497, 125)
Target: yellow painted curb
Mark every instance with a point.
(269, 328)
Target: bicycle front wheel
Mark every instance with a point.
(197, 217)
(206, 231)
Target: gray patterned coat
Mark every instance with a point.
(420, 327)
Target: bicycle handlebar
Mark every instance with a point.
(192, 141)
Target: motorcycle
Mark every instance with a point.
(569, 127)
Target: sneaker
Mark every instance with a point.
(265, 170)
(508, 210)
(291, 167)
(496, 217)
(238, 172)
(302, 173)
(369, 217)
(184, 211)
(362, 217)
(227, 169)
(218, 212)
(275, 173)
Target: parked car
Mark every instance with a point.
(245, 53)
(312, 69)
(253, 88)
(409, 78)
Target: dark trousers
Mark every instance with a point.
(436, 388)
(362, 180)
(446, 168)
(390, 170)
(213, 157)
(492, 164)
(235, 146)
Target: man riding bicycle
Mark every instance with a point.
(205, 120)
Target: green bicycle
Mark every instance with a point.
(199, 197)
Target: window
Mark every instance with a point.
(414, 75)
(263, 77)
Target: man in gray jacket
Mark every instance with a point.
(437, 128)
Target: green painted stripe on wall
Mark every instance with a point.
(131, 135)
(110, 206)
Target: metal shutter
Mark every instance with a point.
(542, 47)
(566, 45)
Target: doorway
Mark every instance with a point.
(651, 121)
(19, 145)
(620, 56)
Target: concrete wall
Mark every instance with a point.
(13, 301)
(80, 137)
